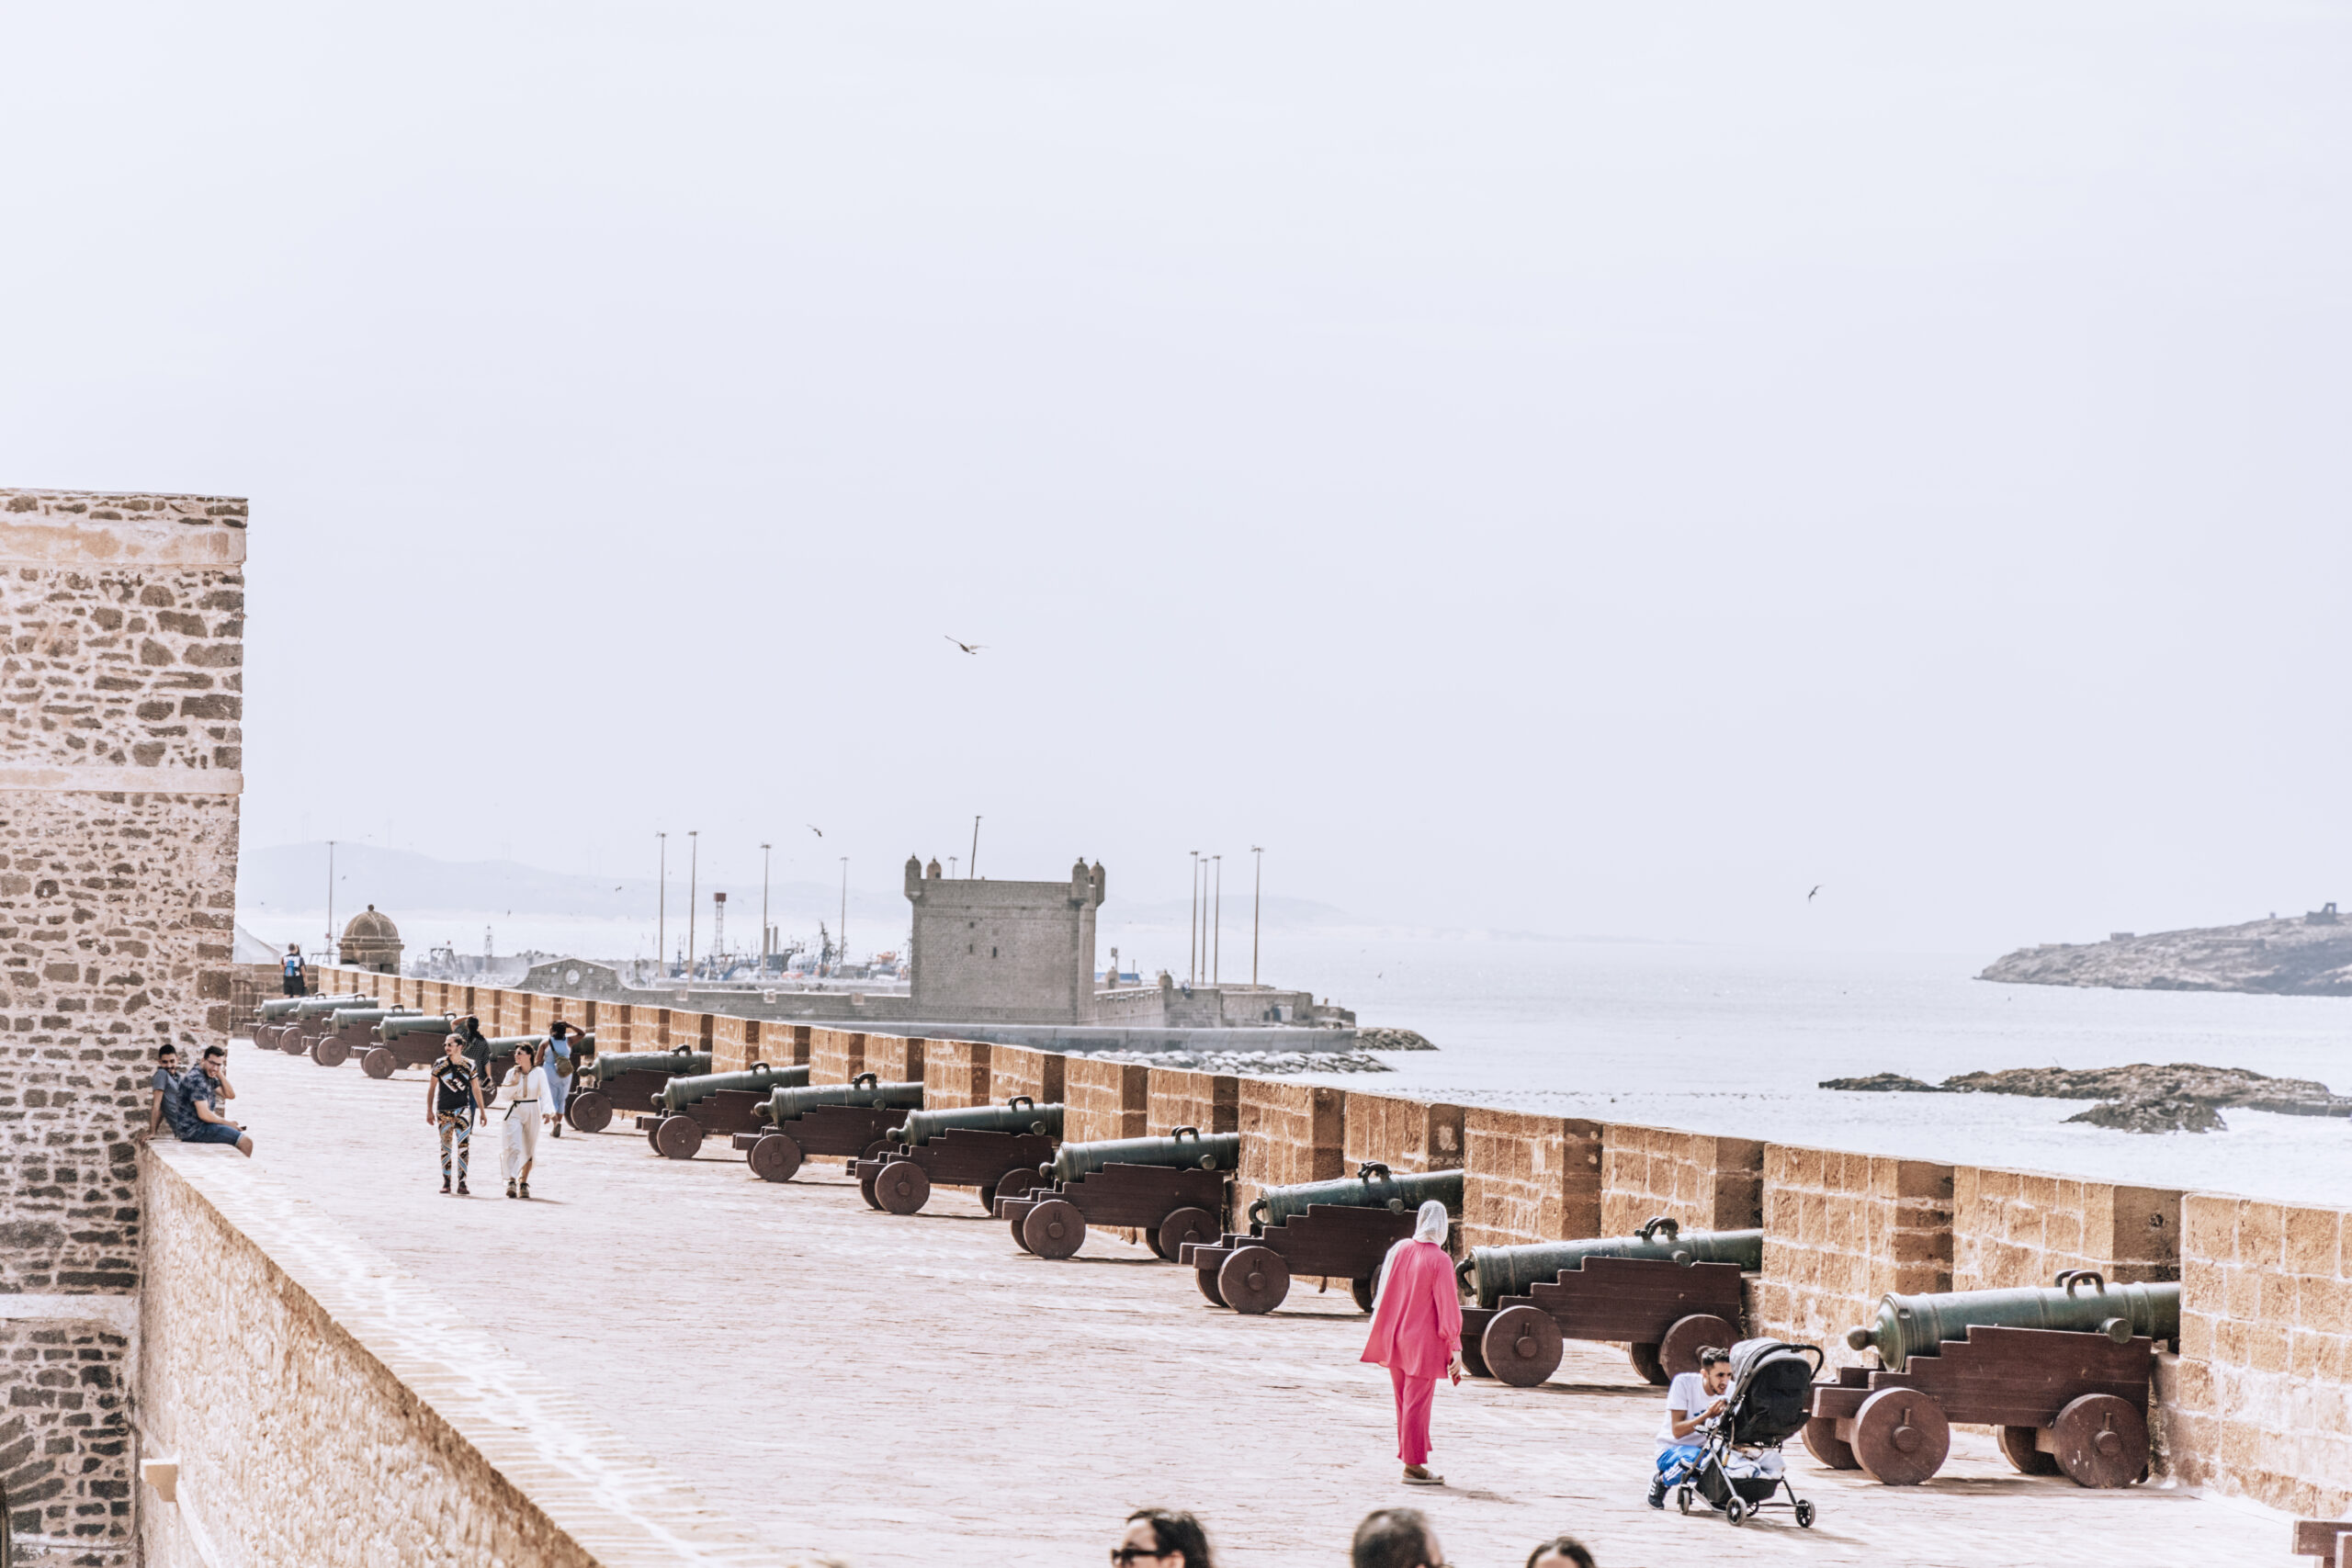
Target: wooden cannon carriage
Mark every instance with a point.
(992, 1147)
(1335, 1229)
(852, 1120)
(610, 1081)
(412, 1041)
(1662, 1299)
(692, 1107)
(352, 1028)
(300, 1020)
(2061, 1371)
(1175, 1190)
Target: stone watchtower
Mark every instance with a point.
(1003, 951)
(372, 942)
(123, 703)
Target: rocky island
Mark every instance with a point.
(2181, 1097)
(2302, 955)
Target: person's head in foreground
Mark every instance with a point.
(1397, 1538)
(1714, 1368)
(1158, 1537)
(1560, 1551)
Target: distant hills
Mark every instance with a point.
(2304, 956)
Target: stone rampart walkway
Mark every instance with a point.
(915, 1391)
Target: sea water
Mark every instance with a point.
(1735, 1041)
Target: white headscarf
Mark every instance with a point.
(1430, 1225)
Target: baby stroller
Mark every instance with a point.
(1738, 1468)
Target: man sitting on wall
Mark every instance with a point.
(1693, 1400)
(202, 1093)
(167, 1101)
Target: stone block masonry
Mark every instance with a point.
(1406, 1135)
(1529, 1178)
(1017, 1069)
(1702, 1182)
(956, 1074)
(894, 1059)
(1210, 1101)
(121, 699)
(1104, 1099)
(835, 1055)
(2021, 1227)
(1840, 1231)
(1290, 1132)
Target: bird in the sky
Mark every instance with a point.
(814, 829)
(1816, 887)
(966, 646)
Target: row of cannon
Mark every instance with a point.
(2061, 1371)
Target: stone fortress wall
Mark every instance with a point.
(122, 697)
(2255, 1400)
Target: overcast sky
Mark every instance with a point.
(1587, 468)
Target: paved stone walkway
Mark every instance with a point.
(912, 1390)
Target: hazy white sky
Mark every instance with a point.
(1571, 467)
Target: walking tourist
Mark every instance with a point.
(518, 1130)
(452, 1101)
(475, 1044)
(1417, 1334)
(202, 1093)
(1397, 1538)
(1560, 1551)
(557, 1061)
(290, 971)
(1163, 1540)
(1688, 1408)
(165, 1101)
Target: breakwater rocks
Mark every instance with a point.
(2304, 956)
(1269, 1064)
(1393, 1040)
(2181, 1097)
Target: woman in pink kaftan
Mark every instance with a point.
(1417, 1333)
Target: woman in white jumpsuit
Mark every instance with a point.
(519, 1098)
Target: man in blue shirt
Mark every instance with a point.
(165, 1102)
(291, 967)
(202, 1093)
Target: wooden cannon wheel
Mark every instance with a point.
(1521, 1345)
(1822, 1442)
(1183, 1225)
(377, 1062)
(1474, 1361)
(1365, 1290)
(903, 1188)
(1678, 1351)
(293, 1043)
(1901, 1437)
(1254, 1279)
(678, 1137)
(331, 1052)
(2020, 1447)
(1646, 1361)
(1206, 1279)
(590, 1110)
(877, 1151)
(775, 1156)
(1018, 1239)
(2101, 1441)
(1054, 1228)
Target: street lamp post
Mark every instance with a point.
(972, 866)
(1257, 892)
(844, 957)
(1217, 951)
(1193, 927)
(694, 867)
(662, 906)
(331, 952)
(763, 913)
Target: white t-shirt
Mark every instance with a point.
(1688, 1392)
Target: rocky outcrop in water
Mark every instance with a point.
(2182, 1097)
(1393, 1040)
(2304, 956)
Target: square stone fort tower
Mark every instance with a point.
(989, 952)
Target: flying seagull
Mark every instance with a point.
(966, 646)
(814, 829)
(1816, 887)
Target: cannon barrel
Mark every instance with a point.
(791, 1103)
(2081, 1299)
(1218, 1150)
(1023, 1115)
(392, 1029)
(276, 1008)
(685, 1089)
(1498, 1272)
(311, 1006)
(1372, 1187)
(342, 1016)
(611, 1064)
